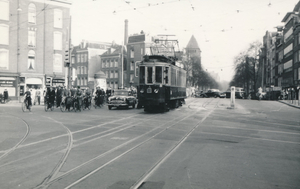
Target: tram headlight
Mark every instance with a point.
(142, 91)
(156, 90)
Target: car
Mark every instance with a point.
(223, 95)
(199, 93)
(121, 98)
(211, 93)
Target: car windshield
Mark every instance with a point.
(121, 93)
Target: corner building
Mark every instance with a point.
(34, 37)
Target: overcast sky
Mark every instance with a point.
(222, 28)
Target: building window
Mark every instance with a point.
(73, 60)
(132, 66)
(106, 73)
(78, 58)
(132, 53)
(4, 31)
(112, 85)
(103, 64)
(82, 58)
(58, 18)
(131, 77)
(4, 59)
(111, 63)
(107, 63)
(85, 57)
(57, 63)
(4, 10)
(32, 13)
(116, 63)
(111, 74)
(116, 85)
(57, 41)
(31, 60)
(116, 74)
(31, 38)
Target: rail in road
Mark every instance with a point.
(72, 175)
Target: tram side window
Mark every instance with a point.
(142, 74)
(166, 78)
(158, 74)
(149, 74)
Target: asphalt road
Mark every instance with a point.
(202, 144)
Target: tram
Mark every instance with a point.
(162, 83)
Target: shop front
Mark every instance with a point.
(10, 84)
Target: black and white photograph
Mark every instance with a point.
(149, 94)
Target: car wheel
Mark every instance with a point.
(109, 107)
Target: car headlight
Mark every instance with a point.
(156, 90)
(142, 91)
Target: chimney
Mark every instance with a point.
(126, 33)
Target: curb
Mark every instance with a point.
(292, 105)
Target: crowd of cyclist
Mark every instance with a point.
(54, 96)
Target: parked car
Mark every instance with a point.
(121, 98)
(223, 95)
(211, 93)
(199, 94)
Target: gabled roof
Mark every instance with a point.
(288, 14)
(192, 44)
(297, 7)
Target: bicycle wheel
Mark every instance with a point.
(46, 106)
(75, 106)
(62, 106)
(24, 106)
(90, 105)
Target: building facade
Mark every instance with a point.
(86, 62)
(280, 67)
(111, 65)
(138, 45)
(34, 37)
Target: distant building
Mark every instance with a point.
(137, 46)
(34, 37)
(86, 62)
(111, 65)
(192, 48)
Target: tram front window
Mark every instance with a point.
(158, 74)
(142, 74)
(149, 74)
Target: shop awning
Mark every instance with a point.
(34, 81)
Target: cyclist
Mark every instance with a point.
(78, 95)
(87, 98)
(28, 98)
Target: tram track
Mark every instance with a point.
(9, 151)
(174, 122)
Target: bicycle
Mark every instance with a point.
(76, 105)
(48, 105)
(25, 105)
(87, 104)
(98, 101)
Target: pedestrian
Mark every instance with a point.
(38, 96)
(5, 95)
(58, 96)
(52, 96)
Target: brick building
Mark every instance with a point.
(34, 36)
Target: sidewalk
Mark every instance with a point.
(293, 103)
